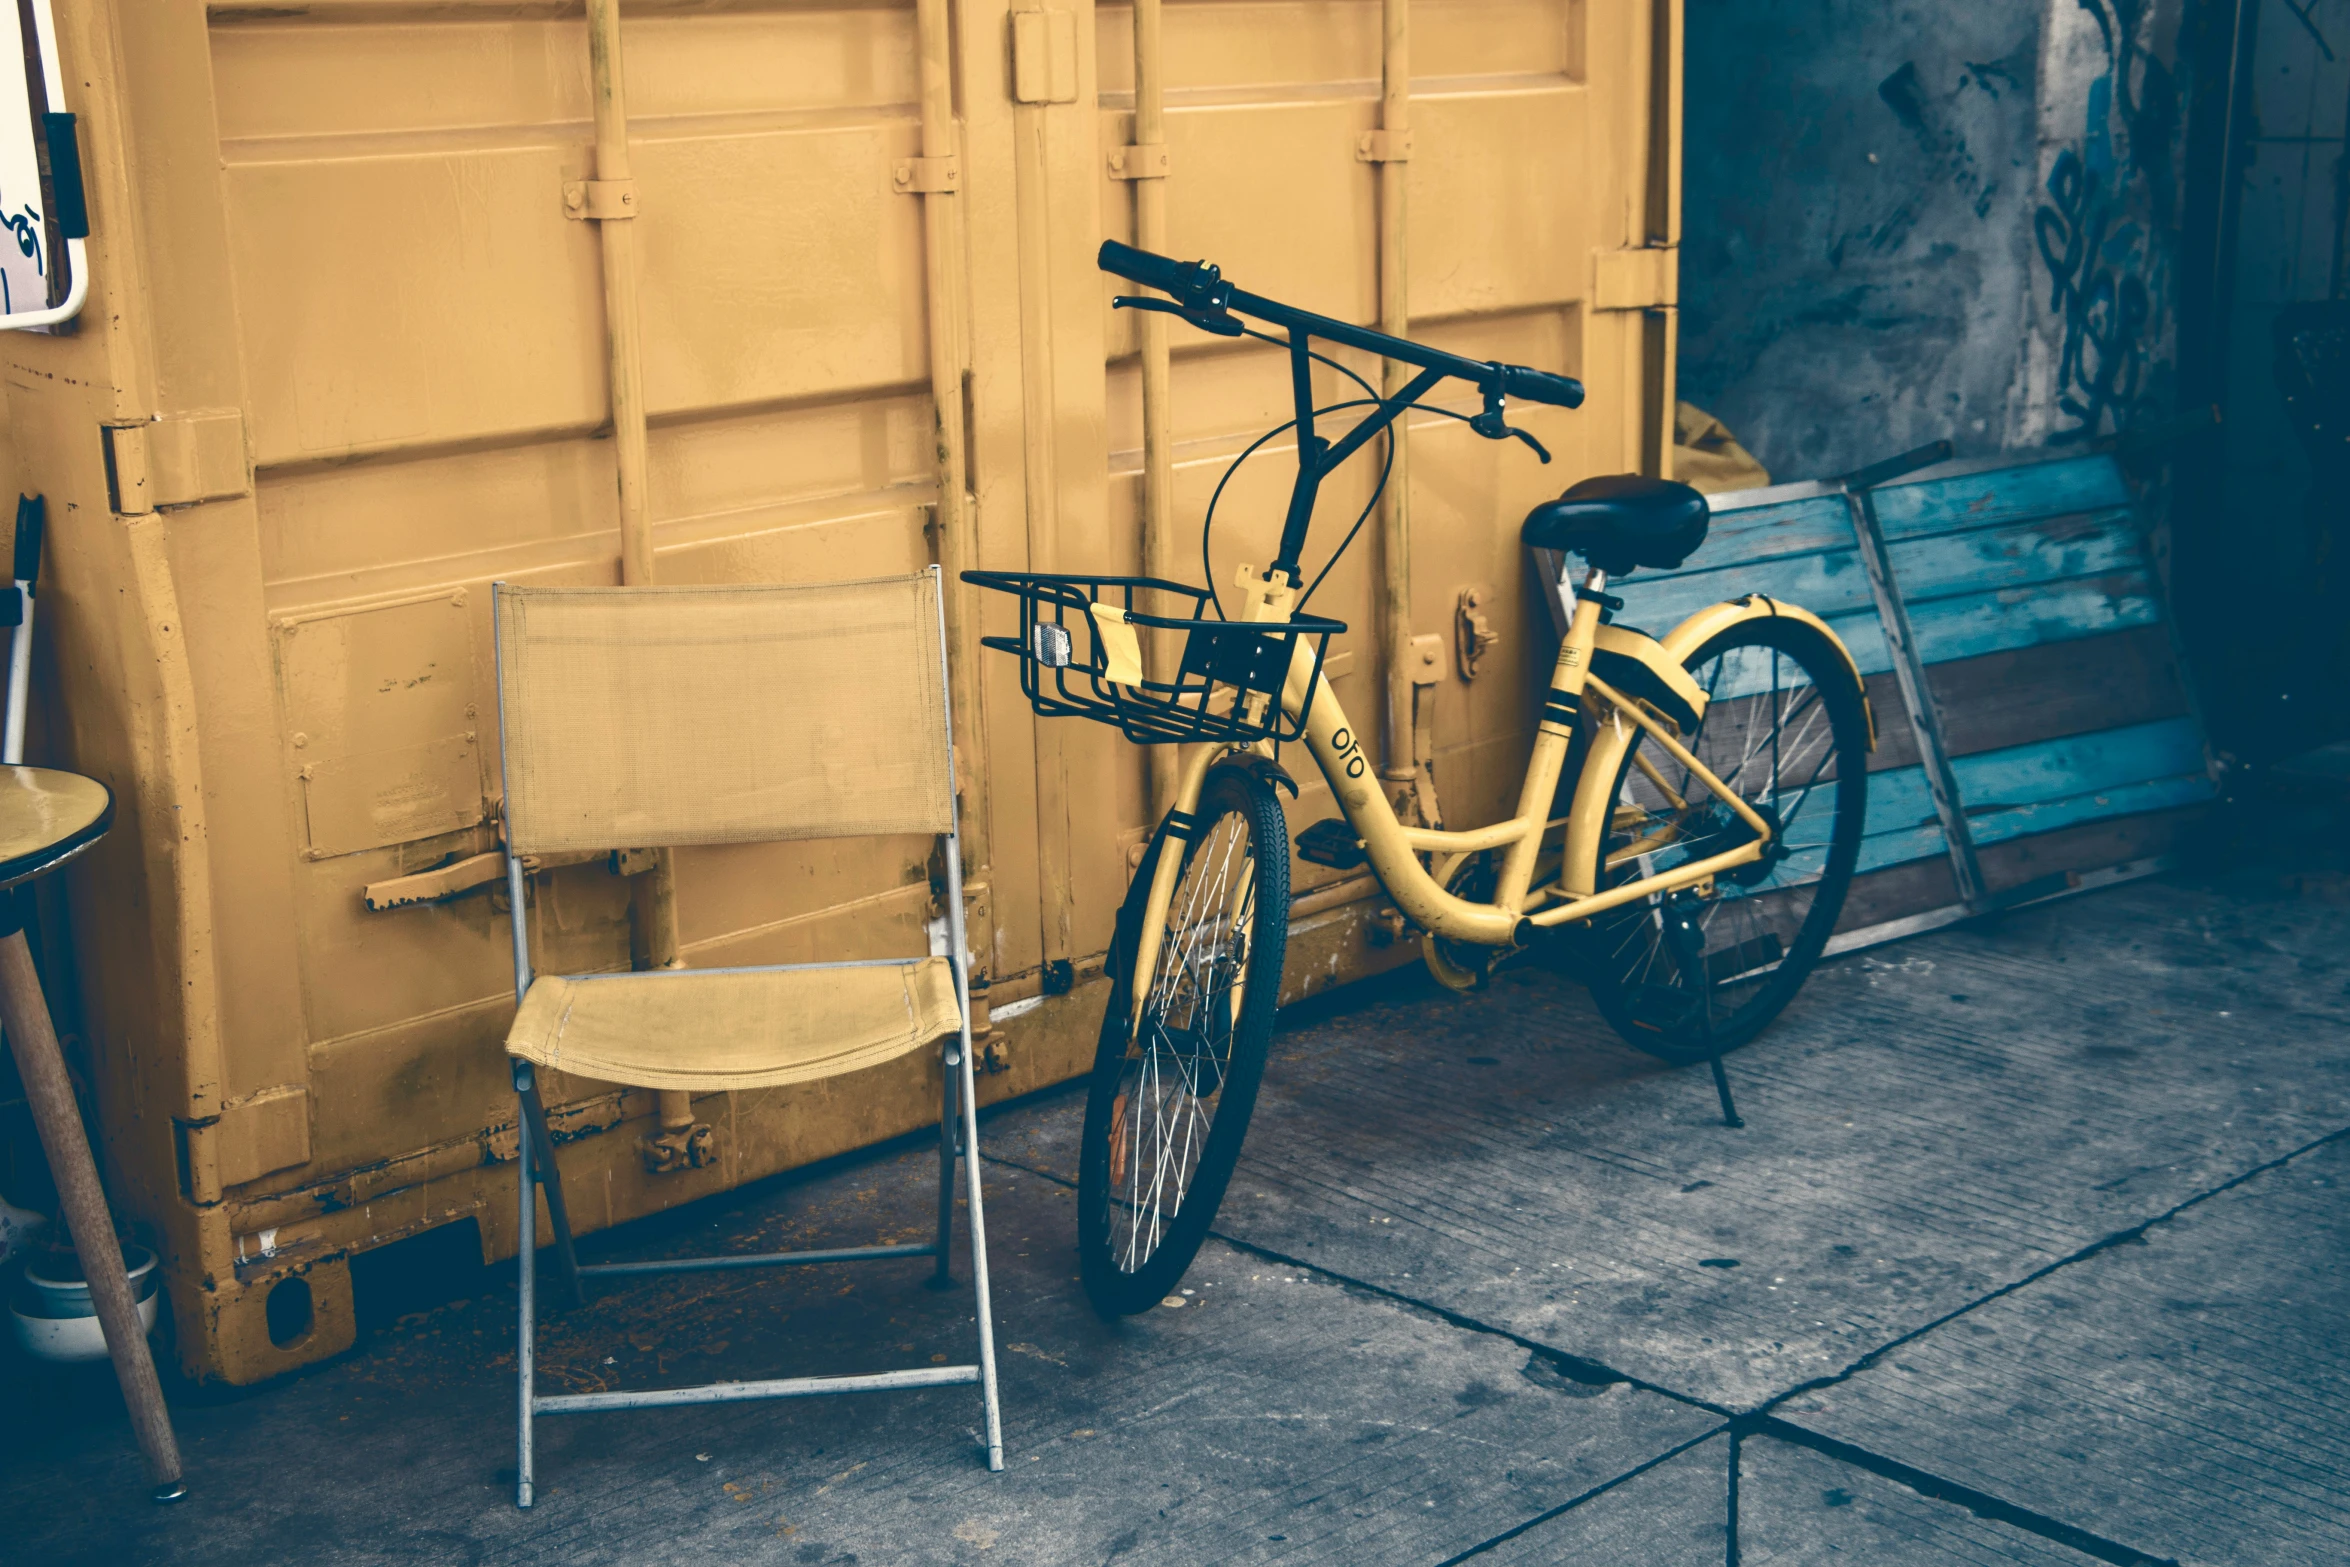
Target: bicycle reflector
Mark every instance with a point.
(1049, 644)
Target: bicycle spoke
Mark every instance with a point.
(1183, 1047)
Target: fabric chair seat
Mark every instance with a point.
(711, 1030)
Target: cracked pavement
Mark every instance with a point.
(2029, 1251)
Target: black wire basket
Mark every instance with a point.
(1080, 652)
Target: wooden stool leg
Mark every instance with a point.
(33, 1039)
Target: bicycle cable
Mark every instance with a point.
(1386, 468)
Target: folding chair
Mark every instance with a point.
(663, 717)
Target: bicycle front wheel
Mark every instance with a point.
(1785, 730)
(1175, 1076)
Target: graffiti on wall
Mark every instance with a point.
(2104, 223)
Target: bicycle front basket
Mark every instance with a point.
(1081, 655)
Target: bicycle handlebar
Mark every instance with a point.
(1203, 296)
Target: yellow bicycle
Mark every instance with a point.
(1684, 838)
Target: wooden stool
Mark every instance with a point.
(46, 818)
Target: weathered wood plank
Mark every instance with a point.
(2020, 790)
(2087, 846)
(1976, 624)
(1976, 500)
(1893, 892)
(1789, 528)
(1826, 582)
(2018, 556)
(2019, 695)
(1948, 629)
(2056, 769)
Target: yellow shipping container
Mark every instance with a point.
(363, 285)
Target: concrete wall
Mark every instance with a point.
(1917, 220)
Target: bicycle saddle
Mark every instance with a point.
(1621, 522)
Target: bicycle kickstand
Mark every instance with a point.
(1686, 940)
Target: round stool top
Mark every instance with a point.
(46, 818)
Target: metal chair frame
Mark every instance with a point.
(958, 1112)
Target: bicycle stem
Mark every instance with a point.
(1318, 459)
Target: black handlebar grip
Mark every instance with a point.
(32, 511)
(1177, 278)
(1540, 386)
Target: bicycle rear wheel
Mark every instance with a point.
(1171, 1097)
(1786, 730)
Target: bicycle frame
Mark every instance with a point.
(1613, 720)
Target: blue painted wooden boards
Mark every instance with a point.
(2026, 586)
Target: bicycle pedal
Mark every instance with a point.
(1331, 842)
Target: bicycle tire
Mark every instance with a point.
(1654, 1002)
(1143, 1111)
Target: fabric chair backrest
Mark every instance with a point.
(667, 716)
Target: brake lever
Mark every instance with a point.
(1494, 427)
(1220, 322)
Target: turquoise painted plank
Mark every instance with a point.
(2153, 794)
(2078, 764)
(2099, 544)
(1975, 500)
(1979, 623)
(1863, 637)
(1959, 626)
(1899, 848)
(1789, 528)
(1829, 582)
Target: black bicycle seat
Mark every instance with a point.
(1621, 522)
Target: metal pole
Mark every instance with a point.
(959, 955)
(1158, 441)
(958, 548)
(526, 1328)
(652, 898)
(20, 678)
(1032, 137)
(49, 1093)
(1397, 764)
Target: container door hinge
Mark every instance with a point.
(923, 176)
(1648, 278)
(1383, 147)
(599, 201)
(175, 461)
(1044, 56)
(1142, 161)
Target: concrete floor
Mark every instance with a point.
(2031, 1251)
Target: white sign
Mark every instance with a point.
(30, 258)
(24, 246)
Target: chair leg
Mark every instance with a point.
(524, 1345)
(978, 1230)
(944, 1275)
(550, 1179)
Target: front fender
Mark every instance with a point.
(1274, 775)
(1710, 622)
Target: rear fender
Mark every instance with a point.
(1659, 666)
(1710, 622)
